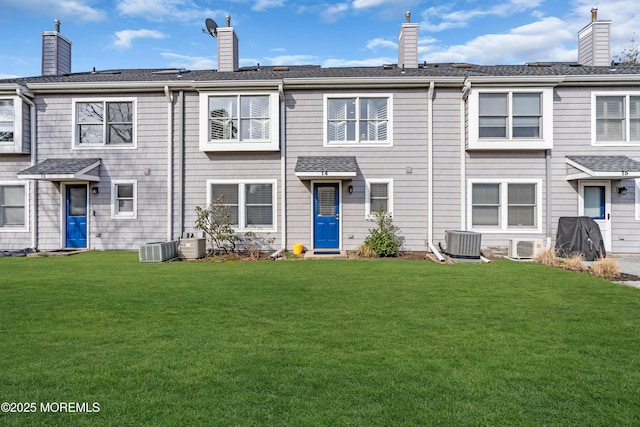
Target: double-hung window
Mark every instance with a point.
(239, 122)
(105, 123)
(511, 119)
(250, 204)
(124, 203)
(352, 119)
(13, 211)
(14, 130)
(616, 118)
(505, 206)
(379, 195)
(7, 121)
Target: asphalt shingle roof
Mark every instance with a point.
(607, 163)
(59, 166)
(326, 163)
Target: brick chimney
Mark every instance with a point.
(228, 57)
(56, 53)
(408, 44)
(594, 42)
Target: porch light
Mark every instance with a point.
(95, 190)
(622, 190)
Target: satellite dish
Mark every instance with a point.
(212, 27)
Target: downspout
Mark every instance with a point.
(33, 194)
(463, 149)
(283, 167)
(180, 174)
(549, 195)
(430, 173)
(167, 94)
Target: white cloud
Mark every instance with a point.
(540, 41)
(189, 62)
(125, 38)
(381, 43)
(261, 5)
(160, 10)
(76, 9)
(364, 4)
(332, 13)
(292, 60)
(369, 62)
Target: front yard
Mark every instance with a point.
(344, 342)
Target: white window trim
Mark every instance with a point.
(242, 202)
(544, 142)
(274, 132)
(27, 188)
(325, 118)
(114, 212)
(627, 132)
(367, 195)
(103, 146)
(14, 146)
(503, 226)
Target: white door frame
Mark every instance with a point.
(605, 223)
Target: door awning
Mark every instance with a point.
(326, 167)
(602, 167)
(63, 170)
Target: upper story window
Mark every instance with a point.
(105, 123)
(499, 206)
(13, 202)
(239, 122)
(251, 204)
(616, 118)
(7, 121)
(511, 119)
(352, 119)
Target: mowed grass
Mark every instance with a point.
(308, 343)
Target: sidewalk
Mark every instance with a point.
(629, 264)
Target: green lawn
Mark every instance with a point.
(308, 343)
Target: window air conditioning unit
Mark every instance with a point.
(463, 244)
(524, 248)
(158, 251)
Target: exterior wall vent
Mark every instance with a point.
(158, 251)
(463, 244)
(524, 248)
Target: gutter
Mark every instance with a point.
(432, 247)
(23, 92)
(167, 94)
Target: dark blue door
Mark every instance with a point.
(326, 213)
(76, 216)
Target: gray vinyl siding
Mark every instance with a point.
(573, 137)
(304, 129)
(26, 128)
(202, 166)
(55, 139)
(56, 55)
(447, 186)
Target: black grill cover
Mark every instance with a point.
(579, 235)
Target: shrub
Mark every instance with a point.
(216, 222)
(255, 244)
(575, 262)
(546, 257)
(606, 268)
(365, 250)
(383, 240)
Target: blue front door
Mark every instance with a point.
(326, 214)
(76, 216)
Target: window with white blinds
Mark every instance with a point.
(251, 204)
(358, 119)
(617, 118)
(239, 118)
(13, 212)
(510, 115)
(505, 206)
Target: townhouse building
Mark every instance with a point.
(112, 159)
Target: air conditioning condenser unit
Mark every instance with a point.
(524, 248)
(463, 244)
(158, 251)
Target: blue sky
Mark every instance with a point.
(168, 33)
